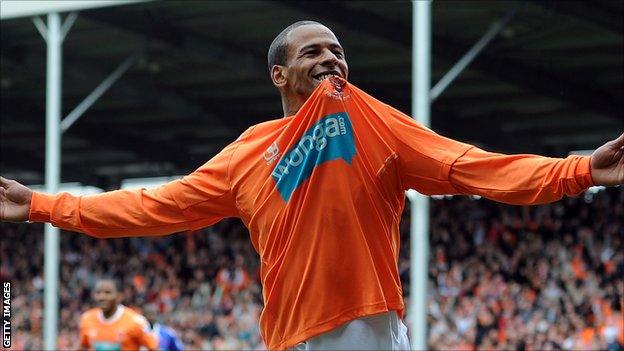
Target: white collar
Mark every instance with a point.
(114, 317)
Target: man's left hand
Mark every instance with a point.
(607, 163)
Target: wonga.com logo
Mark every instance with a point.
(328, 139)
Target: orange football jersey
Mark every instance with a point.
(124, 330)
(322, 194)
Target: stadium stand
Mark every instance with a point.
(501, 278)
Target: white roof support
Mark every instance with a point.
(422, 96)
(54, 40)
(99, 91)
(419, 230)
(19, 8)
(469, 56)
(54, 33)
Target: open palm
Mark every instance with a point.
(607, 163)
(14, 201)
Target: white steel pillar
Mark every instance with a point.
(54, 39)
(419, 231)
(54, 34)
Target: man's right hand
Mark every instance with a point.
(14, 201)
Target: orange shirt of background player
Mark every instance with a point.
(125, 330)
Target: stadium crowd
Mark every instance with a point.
(500, 277)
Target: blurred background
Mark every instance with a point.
(550, 82)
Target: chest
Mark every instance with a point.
(113, 337)
(286, 159)
(336, 160)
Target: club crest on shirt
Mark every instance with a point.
(338, 92)
(328, 139)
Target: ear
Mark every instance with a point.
(278, 75)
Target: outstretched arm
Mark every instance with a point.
(195, 201)
(433, 164)
(520, 179)
(189, 203)
(530, 179)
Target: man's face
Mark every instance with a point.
(151, 313)
(106, 295)
(313, 54)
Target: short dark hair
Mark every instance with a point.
(277, 51)
(109, 278)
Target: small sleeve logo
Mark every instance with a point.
(272, 153)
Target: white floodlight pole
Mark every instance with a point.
(52, 176)
(419, 231)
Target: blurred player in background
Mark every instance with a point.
(168, 340)
(112, 326)
(321, 192)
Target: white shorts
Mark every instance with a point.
(383, 331)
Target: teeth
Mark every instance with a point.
(324, 76)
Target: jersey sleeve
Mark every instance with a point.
(143, 335)
(198, 200)
(425, 158)
(433, 164)
(520, 179)
(149, 340)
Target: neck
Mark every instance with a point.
(109, 313)
(291, 105)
